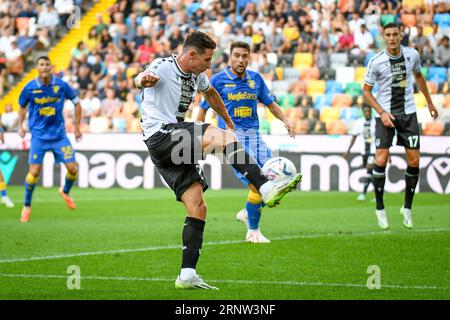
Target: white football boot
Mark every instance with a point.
(255, 236)
(407, 217)
(195, 282)
(382, 219)
(7, 202)
(361, 197)
(280, 189)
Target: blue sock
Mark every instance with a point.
(30, 184)
(254, 215)
(4, 193)
(70, 179)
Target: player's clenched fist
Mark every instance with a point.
(146, 80)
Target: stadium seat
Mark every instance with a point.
(307, 74)
(291, 73)
(341, 100)
(280, 86)
(336, 127)
(279, 73)
(437, 74)
(442, 20)
(409, 19)
(302, 126)
(329, 114)
(425, 72)
(387, 18)
(353, 89)
(120, 125)
(315, 87)
(286, 100)
(303, 60)
(349, 114)
(327, 73)
(360, 74)
(427, 30)
(369, 56)
(420, 100)
(432, 87)
(338, 60)
(446, 103)
(332, 86)
(435, 128)
(345, 75)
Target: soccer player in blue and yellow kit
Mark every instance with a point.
(44, 97)
(241, 90)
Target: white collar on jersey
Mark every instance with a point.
(394, 57)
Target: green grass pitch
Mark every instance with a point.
(127, 244)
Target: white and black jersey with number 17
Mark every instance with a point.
(393, 75)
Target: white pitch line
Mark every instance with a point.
(249, 282)
(157, 248)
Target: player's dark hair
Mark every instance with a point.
(42, 58)
(198, 40)
(239, 44)
(391, 25)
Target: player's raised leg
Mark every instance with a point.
(411, 179)
(4, 196)
(71, 176)
(192, 237)
(216, 139)
(30, 185)
(379, 180)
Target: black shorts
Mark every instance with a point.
(175, 150)
(406, 129)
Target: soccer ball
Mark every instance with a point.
(278, 169)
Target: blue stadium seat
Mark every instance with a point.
(349, 114)
(437, 74)
(442, 20)
(332, 86)
(369, 56)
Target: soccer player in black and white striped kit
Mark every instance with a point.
(168, 88)
(392, 70)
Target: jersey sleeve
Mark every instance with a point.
(70, 94)
(24, 97)
(417, 66)
(264, 94)
(203, 82)
(204, 105)
(371, 74)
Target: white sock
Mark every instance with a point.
(266, 188)
(187, 273)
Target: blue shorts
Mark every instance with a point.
(62, 150)
(255, 146)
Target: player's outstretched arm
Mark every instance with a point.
(215, 101)
(424, 89)
(146, 80)
(386, 117)
(276, 111)
(352, 142)
(21, 130)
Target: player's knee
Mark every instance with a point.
(414, 162)
(73, 170)
(35, 171)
